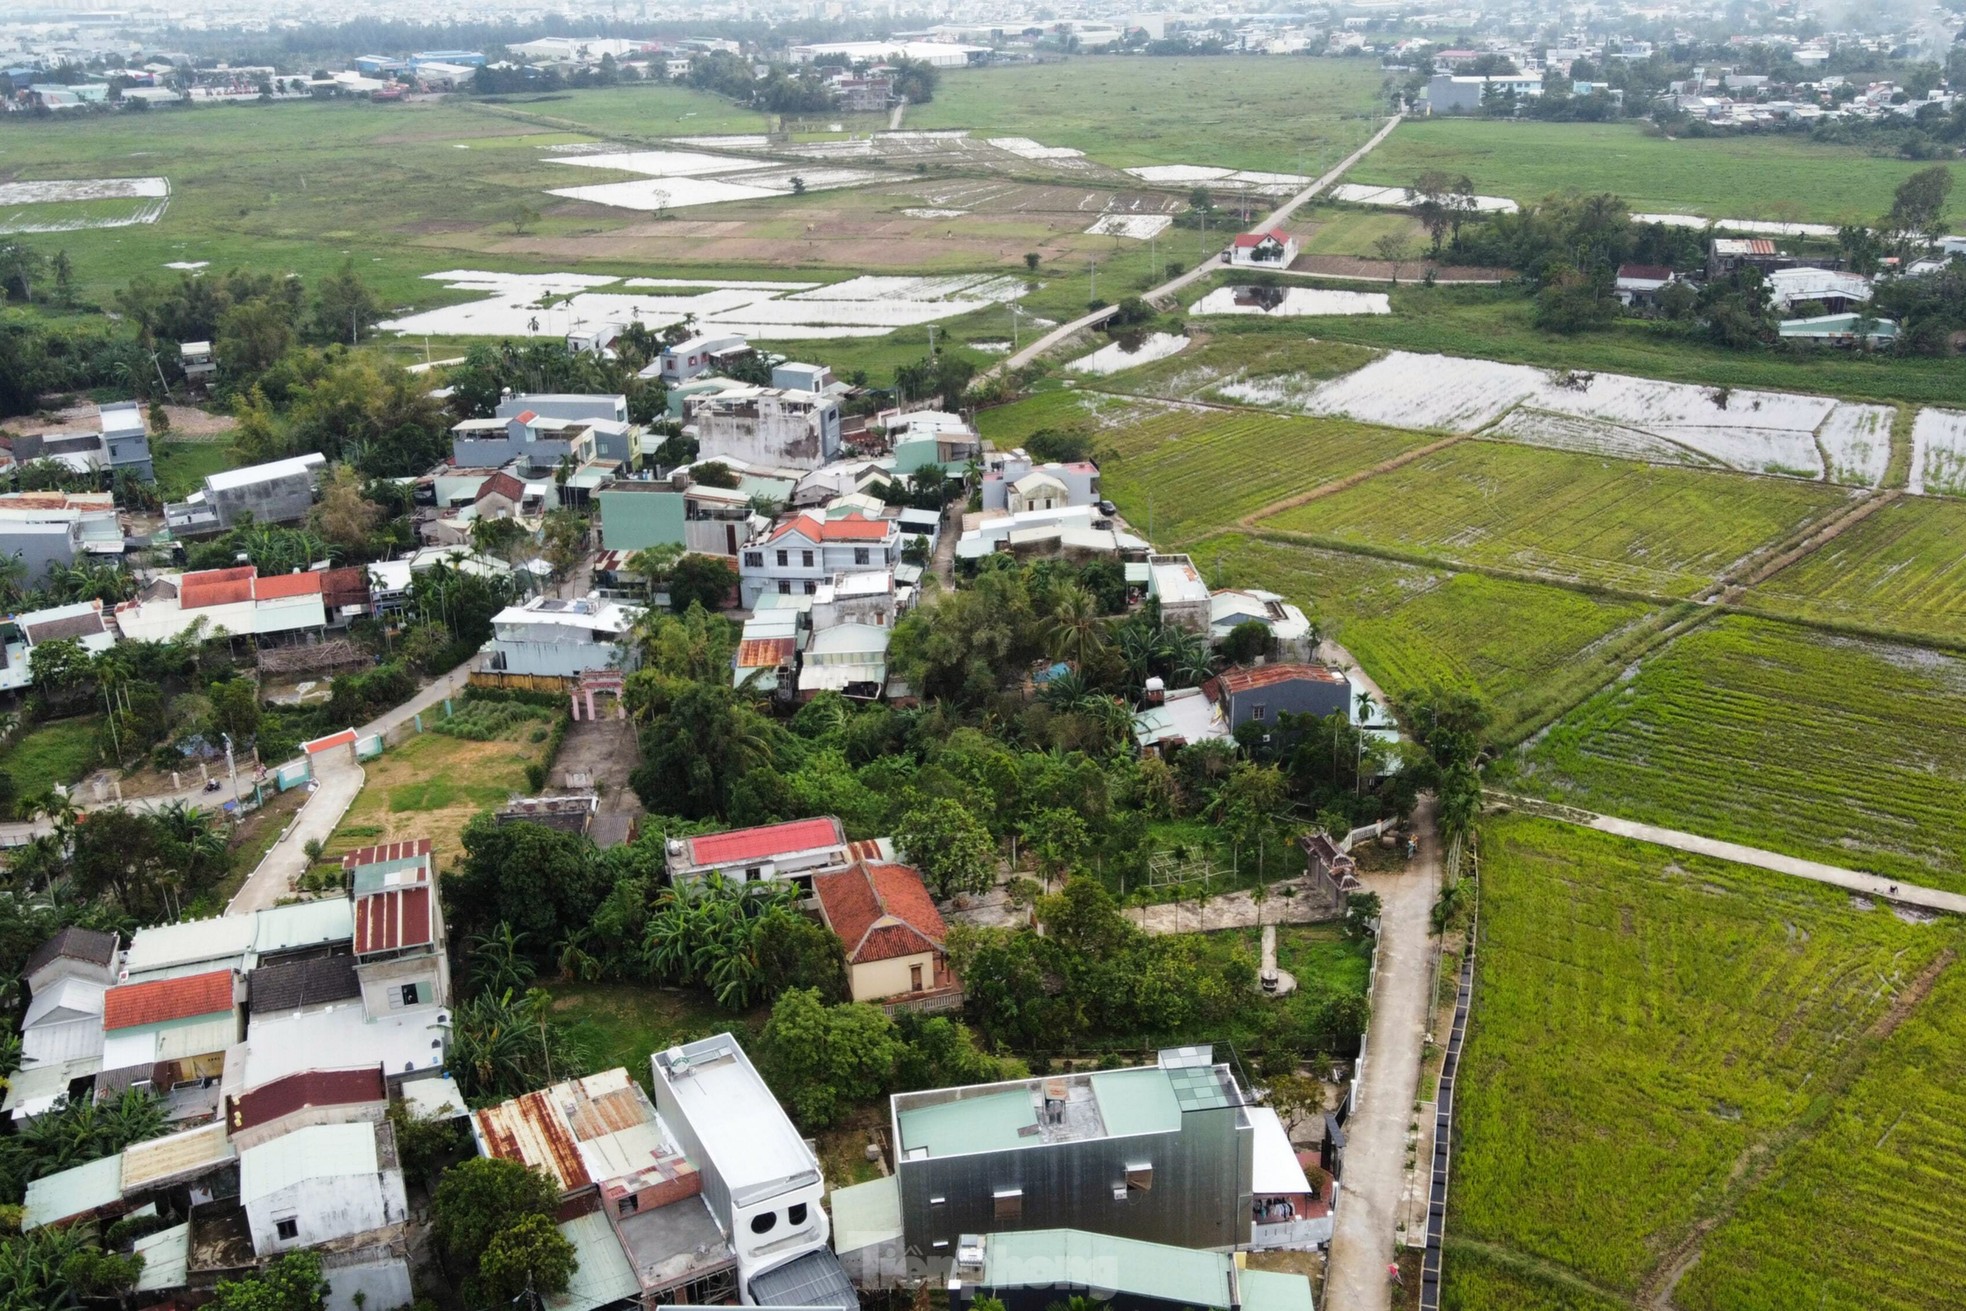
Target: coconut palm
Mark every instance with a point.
(1078, 630)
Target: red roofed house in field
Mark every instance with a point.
(399, 927)
(795, 851)
(1275, 249)
(892, 932)
(807, 550)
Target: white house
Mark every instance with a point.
(1834, 289)
(765, 425)
(697, 355)
(1184, 598)
(1016, 483)
(1275, 249)
(560, 638)
(760, 1179)
(320, 1184)
(792, 852)
(1289, 629)
(808, 549)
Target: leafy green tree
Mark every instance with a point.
(950, 846)
(1058, 838)
(541, 881)
(1918, 207)
(344, 306)
(94, 1273)
(699, 743)
(822, 1059)
(488, 1215)
(704, 580)
(292, 1283)
(235, 710)
(1246, 641)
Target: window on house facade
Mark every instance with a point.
(795, 1214)
(754, 559)
(811, 588)
(1259, 711)
(805, 559)
(860, 555)
(628, 1205)
(1009, 1204)
(407, 995)
(784, 558)
(784, 588)
(286, 1229)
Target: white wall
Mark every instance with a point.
(326, 1209)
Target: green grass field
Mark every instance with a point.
(1739, 177)
(1182, 475)
(1899, 571)
(1276, 115)
(1649, 1030)
(1875, 1179)
(183, 466)
(623, 1023)
(60, 751)
(1839, 750)
(1529, 650)
(1494, 323)
(1584, 518)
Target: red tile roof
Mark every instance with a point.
(385, 852)
(849, 528)
(273, 587)
(767, 840)
(1245, 240)
(501, 484)
(159, 1000)
(297, 1092)
(880, 911)
(388, 920)
(216, 587)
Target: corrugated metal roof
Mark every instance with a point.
(303, 924)
(1045, 1258)
(298, 1092)
(385, 852)
(765, 840)
(603, 1275)
(166, 1259)
(74, 1192)
(393, 919)
(169, 945)
(581, 1132)
(320, 1151)
(176, 1156)
(182, 1042)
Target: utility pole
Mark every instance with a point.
(1093, 265)
(232, 767)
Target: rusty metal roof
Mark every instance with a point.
(581, 1132)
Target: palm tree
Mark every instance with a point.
(497, 963)
(1366, 705)
(1078, 629)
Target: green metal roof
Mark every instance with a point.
(866, 1214)
(1200, 1088)
(603, 1275)
(1041, 1258)
(1137, 1101)
(73, 1192)
(1273, 1290)
(989, 1123)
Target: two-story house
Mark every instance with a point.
(1015, 482)
(766, 426)
(554, 637)
(807, 549)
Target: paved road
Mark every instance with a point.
(1870, 885)
(1176, 285)
(1362, 1239)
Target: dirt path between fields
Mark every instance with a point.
(1813, 543)
(1350, 480)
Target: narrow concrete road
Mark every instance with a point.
(1176, 285)
(1362, 1239)
(1869, 885)
(335, 787)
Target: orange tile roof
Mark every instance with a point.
(275, 586)
(880, 911)
(765, 840)
(850, 528)
(216, 587)
(160, 1000)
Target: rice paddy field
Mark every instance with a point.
(1179, 476)
(1661, 1041)
(1530, 651)
(1741, 177)
(1900, 571)
(1225, 355)
(1276, 114)
(1615, 523)
(1837, 749)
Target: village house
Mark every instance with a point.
(677, 511)
(807, 549)
(279, 492)
(1275, 249)
(693, 356)
(552, 637)
(1640, 286)
(794, 852)
(893, 935)
(88, 524)
(83, 622)
(1261, 694)
(765, 425)
(1016, 483)
(1035, 1270)
(1184, 598)
(1291, 634)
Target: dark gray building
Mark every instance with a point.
(1164, 1153)
(279, 492)
(1260, 694)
